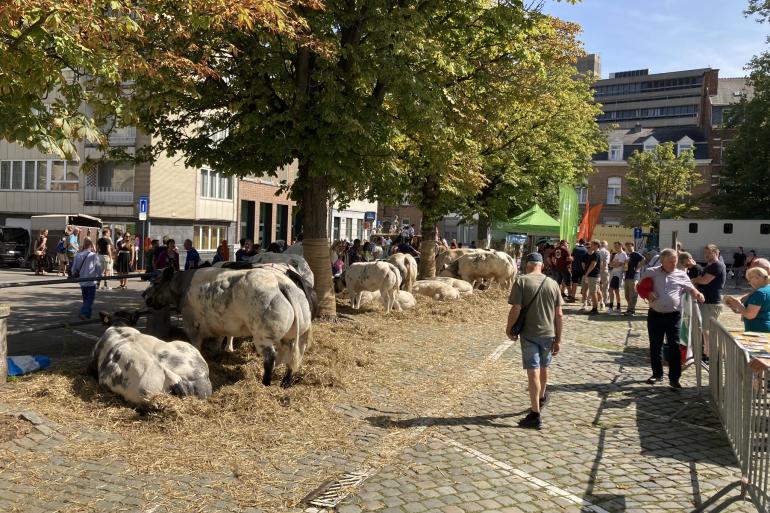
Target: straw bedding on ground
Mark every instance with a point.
(252, 438)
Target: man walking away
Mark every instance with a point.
(633, 267)
(578, 269)
(665, 315)
(711, 283)
(73, 246)
(604, 274)
(593, 263)
(541, 336)
(86, 265)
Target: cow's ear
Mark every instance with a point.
(106, 318)
(168, 273)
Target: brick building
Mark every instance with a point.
(264, 214)
(684, 107)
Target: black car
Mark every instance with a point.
(14, 246)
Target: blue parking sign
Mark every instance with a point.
(143, 204)
(637, 233)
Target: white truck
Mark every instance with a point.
(728, 234)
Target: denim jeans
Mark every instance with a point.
(89, 294)
(660, 326)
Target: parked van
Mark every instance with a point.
(728, 234)
(14, 246)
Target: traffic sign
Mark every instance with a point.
(143, 207)
(637, 233)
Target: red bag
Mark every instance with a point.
(644, 287)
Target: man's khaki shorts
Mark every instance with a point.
(106, 262)
(709, 312)
(592, 284)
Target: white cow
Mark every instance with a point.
(405, 300)
(372, 276)
(260, 303)
(138, 367)
(463, 287)
(439, 290)
(482, 265)
(296, 261)
(445, 258)
(407, 266)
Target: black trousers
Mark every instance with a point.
(660, 326)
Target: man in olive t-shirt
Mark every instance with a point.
(541, 335)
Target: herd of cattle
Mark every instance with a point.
(270, 300)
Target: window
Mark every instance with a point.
(216, 185)
(336, 229)
(727, 228)
(64, 176)
(613, 190)
(764, 229)
(207, 238)
(682, 147)
(693, 228)
(349, 228)
(31, 175)
(650, 144)
(359, 229)
(616, 151)
(582, 195)
(116, 176)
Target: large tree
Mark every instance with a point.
(744, 190)
(659, 185)
(387, 79)
(60, 55)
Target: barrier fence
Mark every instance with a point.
(740, 398)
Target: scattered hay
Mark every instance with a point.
(260, 435)
(12, 427)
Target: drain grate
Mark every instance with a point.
(331, 493)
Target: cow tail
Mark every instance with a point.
(295, 356)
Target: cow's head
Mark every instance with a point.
(165, 289)
(339, 283)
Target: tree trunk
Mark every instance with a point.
(314, 198)
(427, 267)
(483, 230)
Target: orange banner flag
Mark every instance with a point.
(584, 224)
(593, 219)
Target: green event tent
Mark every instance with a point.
(534, 221)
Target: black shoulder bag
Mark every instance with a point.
(518, 326)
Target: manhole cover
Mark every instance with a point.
(331, 493)
(12, 427)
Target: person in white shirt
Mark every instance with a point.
(617, 266)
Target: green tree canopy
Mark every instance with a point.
(744, 190)
(60, 55)
(659, 185)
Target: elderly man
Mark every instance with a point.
(665, 315)
(539, 297)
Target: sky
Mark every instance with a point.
(666, 35)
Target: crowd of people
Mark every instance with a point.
(662, 278)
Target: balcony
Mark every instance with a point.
(108, 195)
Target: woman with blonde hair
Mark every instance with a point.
(755, 308)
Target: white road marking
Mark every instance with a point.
(533, 481)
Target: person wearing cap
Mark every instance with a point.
(540, 337)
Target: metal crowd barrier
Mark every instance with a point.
(740, 398)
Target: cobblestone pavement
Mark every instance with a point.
(608, 445)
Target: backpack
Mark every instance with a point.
(60, 247)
